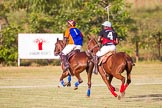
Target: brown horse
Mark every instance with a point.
(113, 66)
(79, 62)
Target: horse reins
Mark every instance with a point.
(62, 46)
(90, 50)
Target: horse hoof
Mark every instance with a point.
(75, 88)
(122, 94)
(68, 84)
(88, 96)
(65, 84)
(59, 86)
(116, 89)
(119, 97)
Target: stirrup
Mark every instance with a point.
(95, 72)
(95, 61)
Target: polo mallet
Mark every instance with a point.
(107, 9)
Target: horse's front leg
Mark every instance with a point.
(110, 80)
(123, 87)
(104, 77)
(89, 74)
(63, 75)
(79, 80)
(69, 81)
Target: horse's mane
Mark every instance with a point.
(61, 42)
(92, 40)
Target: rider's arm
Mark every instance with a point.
(65, 40)
(66, 35)
(116, 39)
(99, 39)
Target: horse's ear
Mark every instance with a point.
(57, 39)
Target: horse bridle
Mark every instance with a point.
(62, 45)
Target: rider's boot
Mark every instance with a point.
(95, 71)
(65, 62)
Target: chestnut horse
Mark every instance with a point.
(113, 66)
(79, 62)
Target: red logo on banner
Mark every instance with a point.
(40, 43)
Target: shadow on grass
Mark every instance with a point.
(153, 97)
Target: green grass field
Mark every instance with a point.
(36, 87)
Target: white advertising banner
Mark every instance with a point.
(37, 46)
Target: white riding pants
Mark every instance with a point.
(68, 48)
(105, 49)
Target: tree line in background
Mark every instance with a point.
(138, 38)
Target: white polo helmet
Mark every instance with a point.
(107, 24)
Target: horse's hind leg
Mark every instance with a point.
(122, 88)
(123, 85)
(128, 80)
(104, 77)
(128, 70)
(120, 77)
(129, 66)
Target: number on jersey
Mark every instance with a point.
(110, 35)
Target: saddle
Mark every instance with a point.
(73, 52)
(104, 58)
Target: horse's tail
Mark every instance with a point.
(129, 60)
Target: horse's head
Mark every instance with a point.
(92, 45)
(59, 45)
